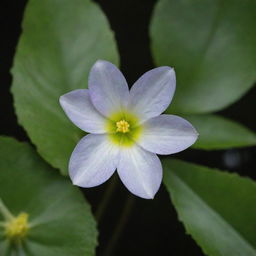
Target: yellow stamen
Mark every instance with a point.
(122, 126)
(17, 227)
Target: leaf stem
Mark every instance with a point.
(120, 225)
(5, 211)
(20, 251)
(104, 202)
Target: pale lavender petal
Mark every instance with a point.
(108, 88)
(152, 93)
(93, 161)
(80, 110)
(140, 171)
(167, 134)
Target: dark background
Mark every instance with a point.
(130, 225)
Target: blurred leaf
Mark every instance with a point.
(60, 42)
(63, 221)
(217, 208)
(212, 46)
(216, 132)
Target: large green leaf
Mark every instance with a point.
(216, 132)
(217, 208)
(60, 42)
(212, 46)
(63, 223)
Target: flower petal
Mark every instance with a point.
(108, 88)
(80, 110)
(140, 171)
(152, 93)
(93, 161)
(167, 134)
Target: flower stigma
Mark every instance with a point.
(17, 227)
(122, 126)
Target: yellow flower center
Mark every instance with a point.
(122, 126)
(17, 227)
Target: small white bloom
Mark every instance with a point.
(127, 128)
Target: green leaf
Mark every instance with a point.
(216, 132)
(61, 219)
(217, 208)
(60, 42)
(211, 45)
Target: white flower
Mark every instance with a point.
(127, 128)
